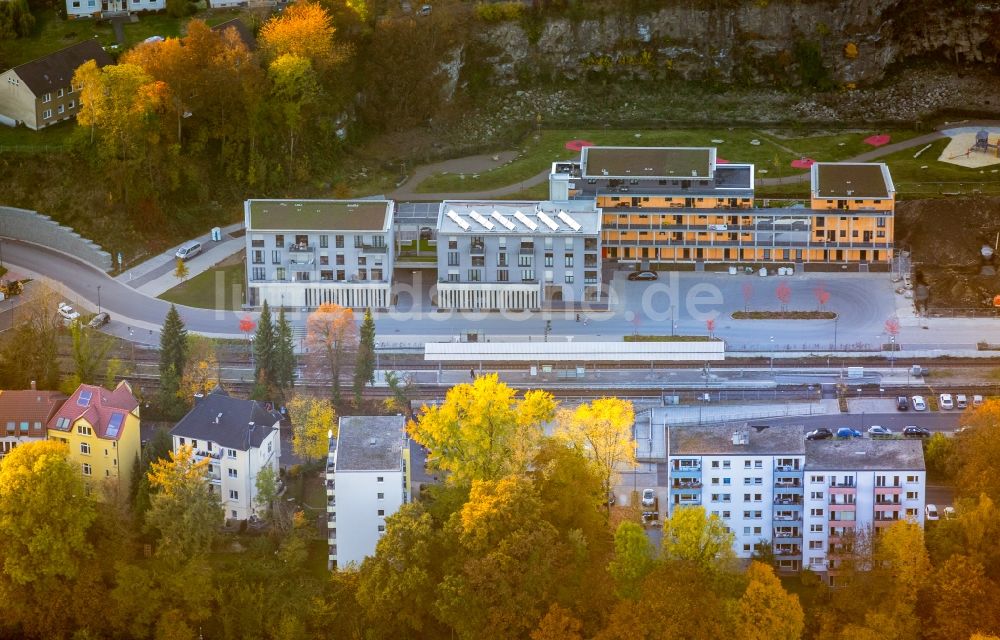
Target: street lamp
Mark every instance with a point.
(835, 332)
(772, 355)
(98, 299)
(892, 353)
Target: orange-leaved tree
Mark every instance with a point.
(305, 29)
(331, 331)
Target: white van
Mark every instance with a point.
(189, 250)
(960, 401)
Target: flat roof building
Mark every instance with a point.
(304, 253)
(368, 480)
(497, 255)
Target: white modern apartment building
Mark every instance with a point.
(368, 479)
(240, 438)
(750, 477)
(858, 485)
(304, 253)
(499, 255)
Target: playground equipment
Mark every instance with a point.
(982, 144)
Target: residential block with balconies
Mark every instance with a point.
(239, 438)
(663, 205)
(305, 253)
(858, 485)
(503, 255)
(367, 480)
(751, 478)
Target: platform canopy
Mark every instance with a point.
(702, 351)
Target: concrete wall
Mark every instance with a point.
(31, 226)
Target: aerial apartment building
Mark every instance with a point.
(751, 478)
(499, 255)
(304, 253)
(857, 484)
(24, 415)
(802, 498)
(368, 480)
(663, 205)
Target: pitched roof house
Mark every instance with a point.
(41, 92)
(24, 415)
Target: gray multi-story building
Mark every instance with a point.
(503, 255)
(304, 253)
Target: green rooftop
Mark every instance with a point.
(647, 162)
(320, 215)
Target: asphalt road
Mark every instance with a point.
(944, 421)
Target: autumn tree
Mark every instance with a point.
(766, 611)
(784, 294)
(180, 269)
(822, 296)
(364, 365)
(747, 295)
(482, 431)
(303, 30)
(693, 536)
(977, 451)
(184, 511)
(958, 588)
(201, 370)
(558, 623)
(602, 430)
(29, 351)
(312, 421)
(295, 89)
(331, 333)
(633, 559)
(90, 350)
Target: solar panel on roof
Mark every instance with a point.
(568, 219)
(502, 219)
(458, 220)
(549, 222)
(481, 220)
(84, 399)
(525, 220)
(115, 424)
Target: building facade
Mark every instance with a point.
(240, 438)
(858, 485)
(502, 255)
(101, 429)
(368, 480)
(95, 8)
(803, 499)
(24, 416)
(751, 478)
(41, 92)
(304, 253)
(663, 205)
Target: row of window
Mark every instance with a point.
(527, 260)
(528, 243)
(230, 453)
(47, 113)
(324, 259)
(325, 275)
(12, 427)
(47, 97)
(302, 241)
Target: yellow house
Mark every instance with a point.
(101, 428)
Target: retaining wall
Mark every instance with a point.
(31, 226)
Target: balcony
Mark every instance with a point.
(788, 499)
(301, 248)
(374, 248)
(842, 506)
(842, 489)
(846, 524)
(685, 486)
(787, 550)
(788, 517)
(682, 467)
(214, 455)
(330, 488)
(526, 251)
(688, 502)
(787, 484)
(892, 491)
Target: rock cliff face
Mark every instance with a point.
(836, 42)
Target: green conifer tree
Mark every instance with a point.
(364, 367)
(284, 353)
(263, 349)
(173, 358)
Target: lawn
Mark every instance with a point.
(23, 139)
(202, 290)
(51, 34)
(539, 151)
(940, 177)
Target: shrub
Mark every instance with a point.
(499, 11)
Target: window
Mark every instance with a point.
(84, 430)
(475, 275)
(324, 260)
(816, 512)
(501, 259)
(279, 240)
(452, 258)
(527, 274)
(85, 448)
(911, 478)
(231, 454)
(61, 108)
(275, 257)
(816, 495)
(258, 257)
(339, 259)
(503, 275)
(746, 532)
(234, 494)
(233, 513)
(381, 528)
(381, 512)
(727, 481)
(87, 470)
(817, 479)
(232, 473)
(362, 274)
(747, 480)
(359, 242)
(324, 242)
(280, 274)
(815, 544)
(715, 464)
(479, 261)
(746, 465)
(911, 513)
(725, 464)
(525, 260)
(569, 278)
(258, 273)
(338, 242)
(758, 464)
(726, 514)
(381, 496)
(715, 481)
(816, 528)
(912, 495)
(61, 93)
(46, 97)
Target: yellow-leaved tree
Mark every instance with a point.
(766, 611)
(183, 509)
(691, 535)
(201, 371)
(482, 431)
(313, 419)
(602, 431)
(305, 29)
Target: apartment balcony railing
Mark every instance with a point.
(686, 467)
(787, 484)
(788, 500)
(373, 248)
(301, 248)
(686, 484)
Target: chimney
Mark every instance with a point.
(34, 386)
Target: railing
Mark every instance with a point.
(843, 485)
(687, 485)
(301, 248)
(788, 500)
(371, 248)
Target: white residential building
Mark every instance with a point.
(368, 480)
(856, 485)
(93, 8)
(304, 253)
(750, 477)
(240, 438)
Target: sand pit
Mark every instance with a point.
(962, 140)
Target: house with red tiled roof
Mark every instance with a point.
(24, 416)
(101, 429)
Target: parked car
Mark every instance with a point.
(948, 513)
(819, 434)
(961, 401)
(847, 432)
(188, 251)
(931, 512)
(642, 275)
(919, 404)
(977, 401)
(67, 312)
(99, 320)
(945, 401)
(916, 432)
(876, 430)
(648, 497)
(902, 403)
